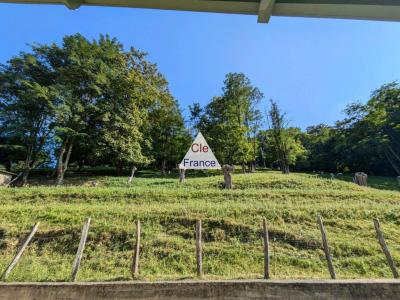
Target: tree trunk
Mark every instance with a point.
(227, 169)
(284, 164)
(163, 166)
(253, 167)
(62, 164)
(59, 166)
(25, 175)
(286, 170)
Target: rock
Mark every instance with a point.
(91, 183)
(6, 177)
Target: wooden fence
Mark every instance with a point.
(135, 269)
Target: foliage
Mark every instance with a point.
(284, 143)
(95, 102)
(367, 140)
(28, 104)
(230, 122)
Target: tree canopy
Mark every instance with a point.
(93, 103)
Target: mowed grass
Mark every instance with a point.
(231, 227)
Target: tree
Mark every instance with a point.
(383, 112)
(169, 137)
(279, 136)
(230, 122)
(319, 142)
(268, 155)
(28, 105)
(107, 94)
(81, 67)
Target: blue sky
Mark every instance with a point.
(312, 67)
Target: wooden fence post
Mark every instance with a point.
(130, 179)
(266, 249)
(326, 248)
(79, 252)
(199, 254)
(385, 249)
(14, 262)
(136, 256)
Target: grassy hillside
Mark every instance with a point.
(231, 221)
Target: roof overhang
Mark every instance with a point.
(346, 9)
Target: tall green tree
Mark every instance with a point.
(269, 154)
(169, 137)
(279, 136)
(28, 105)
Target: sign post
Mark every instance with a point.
(199, 156)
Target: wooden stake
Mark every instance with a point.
(135, 265)
(14, 262)
(199, 255)
(326, 248)
(79, 252)
(130, 179)
(182, 177)
(385, 249)
(266, 249)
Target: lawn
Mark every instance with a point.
(231, 226)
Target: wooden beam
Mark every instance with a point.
(79, 252)
(199, 250)
(387, 10)
(19, 253)
(385, 249)
(265, 10)
(326, 248)
(136, 256)
(266, 249)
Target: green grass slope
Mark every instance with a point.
(231, 227)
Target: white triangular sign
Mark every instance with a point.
(199, 156)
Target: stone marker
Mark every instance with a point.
(361, 179)
(91, 183)
(228, 176)
(182, 177)
(6, 178)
